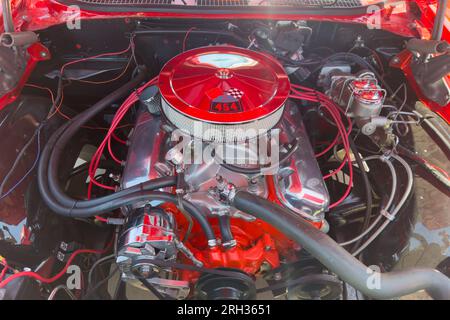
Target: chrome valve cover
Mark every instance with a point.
(298, 181)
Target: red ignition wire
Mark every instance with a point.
(108, 54)
(330, 146)
(111, 153)
(5, 268)
(126, 105)
(186, 37)
(32, 85)
(101, 219)
(37, 276)
(115, 137)
(335, 112)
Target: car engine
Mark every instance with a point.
(219, 157)
(244, 105)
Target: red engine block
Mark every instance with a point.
(259, 246)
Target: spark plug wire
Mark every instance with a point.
(308, 94)
(123, 109)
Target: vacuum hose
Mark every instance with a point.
(225, 230)
(340, 261)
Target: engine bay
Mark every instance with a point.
(196, 160)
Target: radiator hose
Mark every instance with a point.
(338, 260)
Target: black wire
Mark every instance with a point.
(107, 259)
(348, 56)
(368, 190)
(18, 158)
(100, 284)
(118, 290)
(150, 287)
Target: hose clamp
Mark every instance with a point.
(212, 243)
(387, 215)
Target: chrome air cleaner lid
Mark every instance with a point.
(218, 93)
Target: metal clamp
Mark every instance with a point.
(387, 215)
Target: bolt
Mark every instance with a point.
(221, 183)
(114, 177)
(43, 54)
(253, 185)
(146, 271)
(265, 266)
(211, 191)
(396, 60)
(277, 276)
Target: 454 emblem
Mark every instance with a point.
(228, 102)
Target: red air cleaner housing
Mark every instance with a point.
(219, 93)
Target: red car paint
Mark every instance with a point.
(37, 15)
(396, 17)
(248, 255)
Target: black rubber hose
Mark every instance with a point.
(60, 203)
(54, 149)
(53, 201)
(130, 199)
(51, 155)
(225, 229)
(428, 167)
(368, 190)
(340, 261)
(434, 70)
(432, 125)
